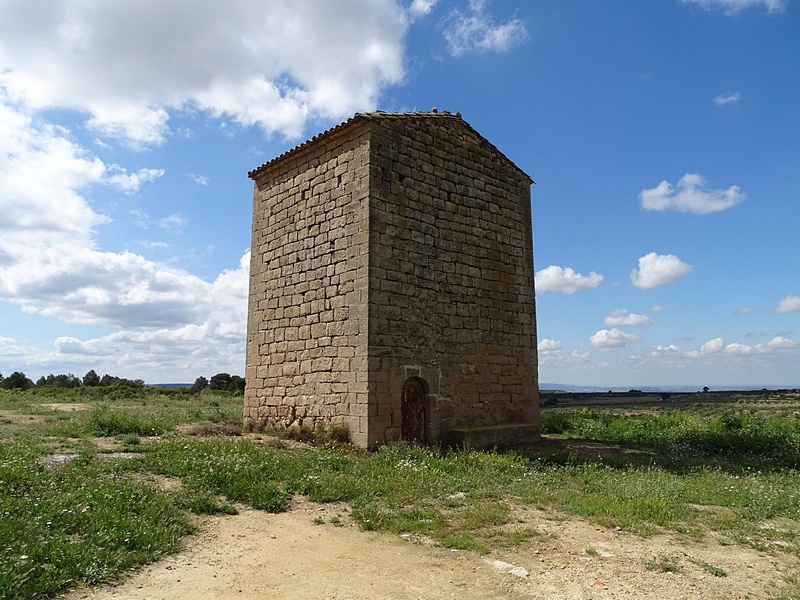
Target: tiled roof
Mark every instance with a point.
(376, 115)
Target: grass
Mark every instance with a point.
(91, 520)
(709, 568)
(663, 563)
(76, 523)
(738, 437)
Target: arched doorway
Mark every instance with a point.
(412, 411)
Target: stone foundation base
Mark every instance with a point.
(500, 437)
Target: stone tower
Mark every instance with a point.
(391, 286)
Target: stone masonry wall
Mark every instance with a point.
(391, 247)
(307, 319)
(451, 297)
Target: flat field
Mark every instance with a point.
(153, 493)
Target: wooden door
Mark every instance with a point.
(412, 407)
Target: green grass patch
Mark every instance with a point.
(90, 520)
(742, 437)
(76, 523)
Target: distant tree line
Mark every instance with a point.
(19, 381)
(220, 381)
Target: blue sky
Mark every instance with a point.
(663, 136)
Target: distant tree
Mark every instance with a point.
(200, 384)
(60, 381)
(236, 384)
(220, 381)
(91, 379)
(107, 379)
(16, 381)
(705, 389)
(66, 381)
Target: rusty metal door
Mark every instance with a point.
(412, 411)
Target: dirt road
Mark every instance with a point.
(255, 555)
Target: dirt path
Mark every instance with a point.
(255, 555)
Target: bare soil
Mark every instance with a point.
(256, 555)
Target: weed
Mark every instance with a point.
(709, 568)
(318, 521)
(129, 439)
(663, 563)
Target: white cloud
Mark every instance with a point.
(715, 362)
(718, 346)
(672, 349)
(420, 8)
(566, 281)
(729, 98)
(547, 345)
(128, 66)
(734, 7)
(130, 183)
(690, 196)
(49, 263)
(214, 343)
(713, 346)
(478, 31)
(41, 170)
(198, 179)
(152, 245)
(173, 223)
(781, 343)
(657, 308)
(622, 318)
(81, 285)
(658, 269)
(611, 338)
(787, 305)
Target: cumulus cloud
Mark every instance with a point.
(129, 183)
(781, 343)
(49, 262)
(622, 318)
(690, 196)
(787, 305)
(476, 31)
(214, 343)
(713, 346)
(42, 205)
(729, 98)
(566, 281)
(128, 66)
(81, 285)
(734, 7)
(547, 345)
(611, 338)
(672, 349)
(658, 269)
(420, 8)
(717, 346)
